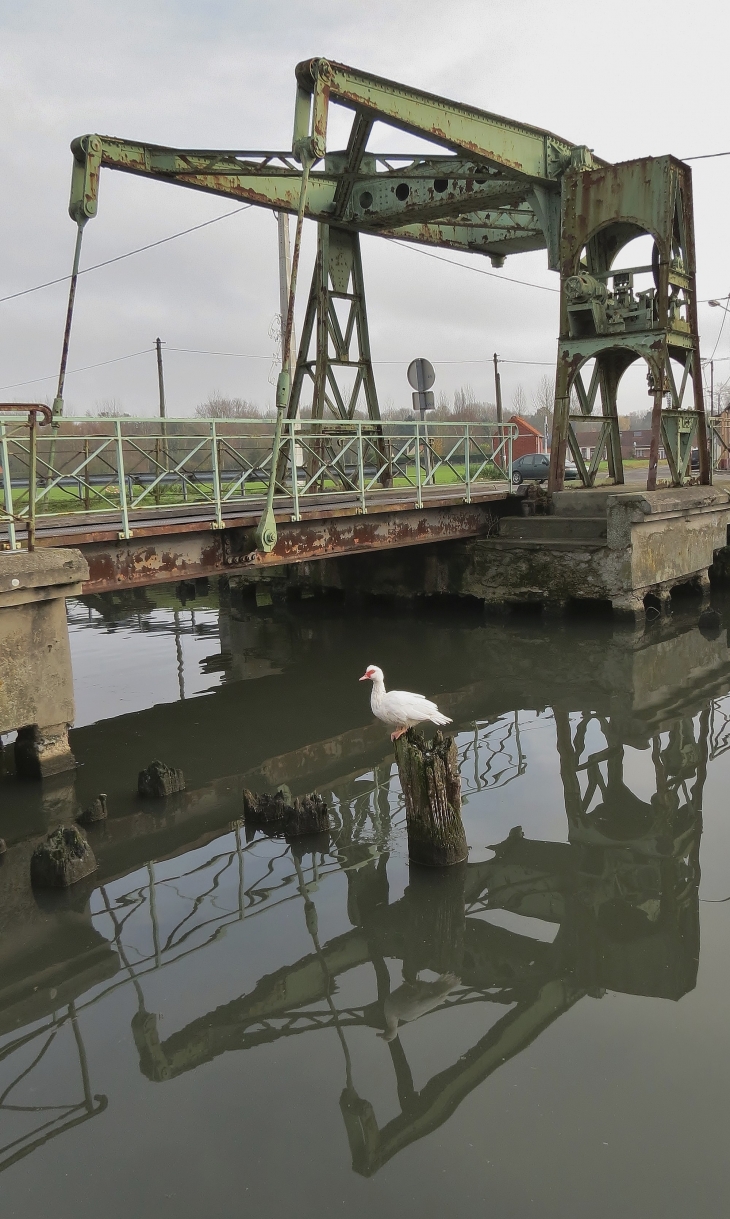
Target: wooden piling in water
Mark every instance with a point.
(435, 907)
(429, 776)
(303, 816)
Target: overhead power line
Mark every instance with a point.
(119, 258)
(236, 355)
(717, 340)
(52, 376)
(526, 283)
(240, 355)
(706, 156)
(243, 355)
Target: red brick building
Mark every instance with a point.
(528, 439)
(634, 443)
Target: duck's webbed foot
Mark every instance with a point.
(399, 732)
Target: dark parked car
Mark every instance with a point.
(536, 467)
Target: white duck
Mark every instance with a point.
(399, 709)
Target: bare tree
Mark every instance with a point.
(543, 401)
(219, 407)
(519, 400)
(544, 396)
(640, 420)
(464, 397)
(108, 408)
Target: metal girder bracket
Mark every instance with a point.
(495, 189)
(440, 201)
(679, 434)
(523, 149)
(605, 436)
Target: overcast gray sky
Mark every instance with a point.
(628, 79)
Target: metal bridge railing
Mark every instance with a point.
(11, 413)
(113, 468)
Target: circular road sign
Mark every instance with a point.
(421, 375)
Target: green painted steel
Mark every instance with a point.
(608, 319)
(110, 470)
(492, 186)
(489, 192)
(332, 346)
(516, 147)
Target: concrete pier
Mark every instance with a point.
(630, 550)
(36, 682)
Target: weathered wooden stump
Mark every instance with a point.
(96, 811)
(158, 781)
(305, 815)
(263, 809)
(62, 860)
(429, 776)
(309, 815)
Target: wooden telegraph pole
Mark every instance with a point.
(498, 397)
(498, 391)
(161, 386)
(160, 377)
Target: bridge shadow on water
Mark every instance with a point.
(460, 971)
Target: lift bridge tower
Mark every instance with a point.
(606, 323)
(498, 187)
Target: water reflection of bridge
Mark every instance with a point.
(624, 898)
(615, 907)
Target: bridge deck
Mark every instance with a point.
(184, 542)
(79, 528)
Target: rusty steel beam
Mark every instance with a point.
(196, 549)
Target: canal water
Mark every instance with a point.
(220, 1023)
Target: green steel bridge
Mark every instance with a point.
(150, 501)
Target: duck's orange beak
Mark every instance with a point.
(365, 677)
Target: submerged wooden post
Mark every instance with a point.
(435, 918)
(429, 776)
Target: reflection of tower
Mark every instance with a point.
(604, 319)
(636, 896)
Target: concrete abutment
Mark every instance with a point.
(36, 680)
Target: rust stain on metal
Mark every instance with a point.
(127, 564)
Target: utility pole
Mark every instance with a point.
(160, 377)
(498, 396)
(712, 388)
(161, 453)
(498, 390)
